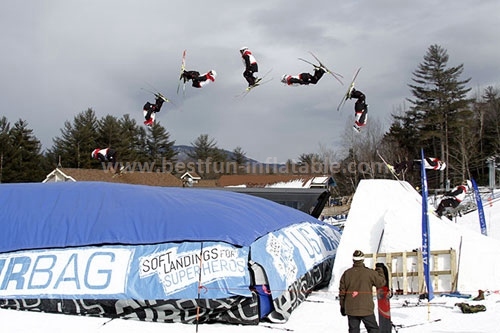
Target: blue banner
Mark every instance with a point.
(425, 230)
(289, 253)
(146, 272)
(480, 210)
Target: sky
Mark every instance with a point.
(61, 57)
(321, 312)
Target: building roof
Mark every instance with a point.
(270, 179)
(136, 177)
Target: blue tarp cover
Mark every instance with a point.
(51, 215)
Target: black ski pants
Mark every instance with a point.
(370, 323)
(248, 73)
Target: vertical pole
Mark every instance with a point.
(199, 288)
(491, 172)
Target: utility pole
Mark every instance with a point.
(491, 168)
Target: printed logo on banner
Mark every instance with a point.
(313, 242)
(179, 267)
(291, 252)
(53, 273)
(281, 250)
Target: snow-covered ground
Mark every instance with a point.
(374, 207)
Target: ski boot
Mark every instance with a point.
(480, 296)
(320, 68)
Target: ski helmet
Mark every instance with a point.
(214, 73)
(243, 49)
(94, 153)
(284, 78)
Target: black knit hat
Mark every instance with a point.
(358, 256)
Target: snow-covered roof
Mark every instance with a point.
(57, 175)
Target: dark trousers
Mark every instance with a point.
(446, 202)
(370, 323)
(248, 73)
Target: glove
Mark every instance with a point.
(342, 311)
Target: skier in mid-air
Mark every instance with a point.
(150, 108)
(106, 155)
(251, 66)
(430, 163)
(360, 108)
(198, 81)
(454, 197)
(434, 163)
(303, 78)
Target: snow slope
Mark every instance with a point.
(385, 216)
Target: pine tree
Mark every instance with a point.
(205, 150)
(5, 146)
(108, 131)
(22, 161)
(132, 141)
(439, 104)
(489, 107)
(158, 146)
(78, 141)
(309, 161)
(239, 157)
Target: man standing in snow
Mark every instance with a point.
(356, 294)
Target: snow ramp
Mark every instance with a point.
(386, 216)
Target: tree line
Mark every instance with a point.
(441, 117)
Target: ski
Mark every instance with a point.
(120, 172)
(349, 90)
(183, 67)
(408, 304)
(159, 95)
(277, 328)
(335, 75)
(397, 327)
(390, 167)
(258, 82)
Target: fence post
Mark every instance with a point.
(405, 275)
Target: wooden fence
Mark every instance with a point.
(406, 270)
